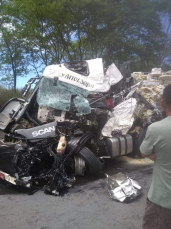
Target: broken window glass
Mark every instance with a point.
(57, 94)
(82, 105)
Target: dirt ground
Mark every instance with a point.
(87, 205)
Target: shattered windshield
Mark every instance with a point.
(82, 105)
(57, 94)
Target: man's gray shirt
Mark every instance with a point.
(158, 141)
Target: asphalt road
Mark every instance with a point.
(87, 205)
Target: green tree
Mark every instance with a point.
(51, 31)
(13, 58)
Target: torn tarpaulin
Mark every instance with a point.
(122, 188)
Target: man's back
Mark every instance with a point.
(158, 140)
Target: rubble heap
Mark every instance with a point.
(139, 76)
(156, 75)
(163, 78)
(151, 90)
(152, 93)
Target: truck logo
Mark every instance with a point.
(78, 80)
(43, 131)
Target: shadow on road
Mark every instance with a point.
(6, 188)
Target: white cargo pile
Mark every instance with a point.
(156, 75)
(152, 93)
(151, 90)
(165, 78)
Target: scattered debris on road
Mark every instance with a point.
(122, 188)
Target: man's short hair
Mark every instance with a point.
(167, 94)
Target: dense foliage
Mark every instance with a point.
(38, 33)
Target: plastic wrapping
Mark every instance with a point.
(57, 94)
(122, 118)
(122, 188)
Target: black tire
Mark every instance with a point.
(95, 166)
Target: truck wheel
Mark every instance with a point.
(95, 166)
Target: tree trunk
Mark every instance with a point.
(15, 82)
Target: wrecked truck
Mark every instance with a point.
(75, 116)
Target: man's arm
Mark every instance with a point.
(151, 156)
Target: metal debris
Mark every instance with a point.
(122, 188)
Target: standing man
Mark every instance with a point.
(157, 146)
